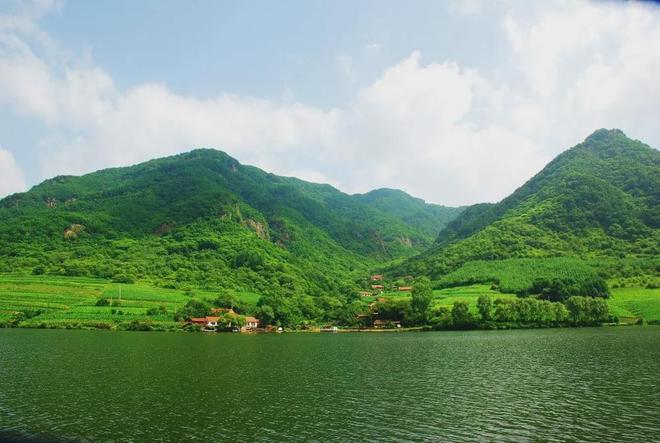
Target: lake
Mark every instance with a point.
(591, 384)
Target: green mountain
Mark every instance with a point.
(203, 219)
(600, 198)
(427, 218)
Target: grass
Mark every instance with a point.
(71, 302)
(634, 303)
(469, 294)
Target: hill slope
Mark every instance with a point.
(599, 198)
(427, 218)
(202, 218)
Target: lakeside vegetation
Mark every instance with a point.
(70, 302)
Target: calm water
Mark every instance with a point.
(537, 385)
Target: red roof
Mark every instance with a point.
(377, 286)
(405, 288)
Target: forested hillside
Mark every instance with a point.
(600, 198)
(427, 218)
(203, 219)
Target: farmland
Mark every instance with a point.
(72, 302)
(635, 303)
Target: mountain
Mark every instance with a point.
(427, 218)
(600, 198)
(203, 219)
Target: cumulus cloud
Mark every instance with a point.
(12, 179)
(442, 131)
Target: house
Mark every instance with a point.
(379, 287)
(377, 277)
(365, 293)
(208, 322)
(382, 324)
(405, 288)
(250, 323)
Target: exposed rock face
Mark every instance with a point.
(50, 203)
(73, 231)
(405, 241)
(258, 228)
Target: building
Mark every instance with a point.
(377, 277)
(251, 323)
(378, 287)
(208, 322)
(405, 288)
(365, 293)
(382, 324)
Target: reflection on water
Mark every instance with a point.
(596, 384)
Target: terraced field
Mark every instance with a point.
(71, 302)
(635, 303)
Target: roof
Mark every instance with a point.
(251, 320)
(377, 286)
(405, 288)
(209, 319)
(198, 319)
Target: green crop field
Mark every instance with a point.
(70, 301)
(469, 294)
(635, 303)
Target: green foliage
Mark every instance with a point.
(421, 297)
(587, 310)
(485, 306)
(600, 198)
(557, 289)
(460, 314)
(201, 220)
(193, 308)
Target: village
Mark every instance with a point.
(228, 320)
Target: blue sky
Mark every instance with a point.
(456, 102)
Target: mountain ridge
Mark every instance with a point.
(599, 197)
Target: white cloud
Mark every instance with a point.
(12, 179)
(465, 7)
(439, 130)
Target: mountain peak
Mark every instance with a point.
(603, 134)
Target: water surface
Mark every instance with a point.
(599, 384)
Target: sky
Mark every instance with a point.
(456, 102)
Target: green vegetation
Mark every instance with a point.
(598, 199)
(184, 234)
(201, 220)
(635, 304)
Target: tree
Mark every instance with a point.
(226, 301)
(422, 294)
(193, 308)
(460, 314)
(485, 306)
